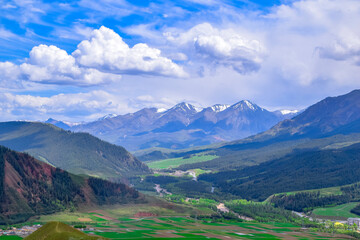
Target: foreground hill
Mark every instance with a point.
(29, 187)
(78, 153)
(182, 126)
(57, 231)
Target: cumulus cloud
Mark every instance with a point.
(108, 52)
(221, 47)
(315, 41)
(52, 65)
(97, 61)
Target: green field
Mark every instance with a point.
(119, 212)
(188, 228)
(337, 211)
(175, 162)
(323, 191)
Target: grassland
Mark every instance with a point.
(166, 227)
(323, 191)
(342, 211)
(169, 221)
(175, 162)
(118, 212)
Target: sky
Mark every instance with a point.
(80, 60)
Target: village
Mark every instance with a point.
(21, 232)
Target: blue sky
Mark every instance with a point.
(80, 60)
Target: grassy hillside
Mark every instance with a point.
(57, 231)
(342, 211)
(300, 170)
(30, 187)
(78, 153)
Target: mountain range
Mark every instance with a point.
(318, 148)
(79, 153)
(331, 123)
(181, 126)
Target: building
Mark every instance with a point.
(351, 221)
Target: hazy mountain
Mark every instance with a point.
(183, 125)
(30, 187)
(60, 124)
(287, 114)
(79, 153)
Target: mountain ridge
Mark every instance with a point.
(183, 125)
(312, 128)
(79, 153)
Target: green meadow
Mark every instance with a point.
(337, 211)
(175, 162)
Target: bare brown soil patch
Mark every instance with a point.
(144, 214)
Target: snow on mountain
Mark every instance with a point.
(219, 107)
(285, 112)
(62, 124)
(185, 107)
(246, 105)
(183, 125)
(160, 110)
(111, 115)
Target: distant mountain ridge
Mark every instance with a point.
(181, 126)
(79, 153)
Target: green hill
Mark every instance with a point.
(301, 170)
(30, 187)
(59, 231)
(79, 153)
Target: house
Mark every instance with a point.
(351, 221)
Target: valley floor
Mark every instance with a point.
(157, 222)
(187, 228)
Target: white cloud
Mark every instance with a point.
(221, 47)
(81, 106)
(303, 37)
(10, 75)
(342, 50)
(108, 52)
(51, 65)
(96, 62)
(4, 33)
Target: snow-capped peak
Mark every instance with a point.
(186, 107)
(245, 104)
(111, 115)
(219, 107)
